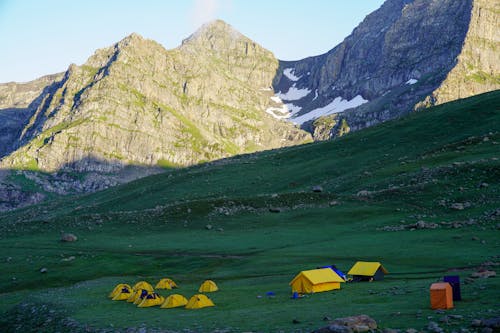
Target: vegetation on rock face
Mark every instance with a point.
(420, 194)
(136, 103)
(202, 101)
(406, 55)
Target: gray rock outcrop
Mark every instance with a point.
(407, 55)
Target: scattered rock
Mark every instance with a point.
(483, 274)
(390, 330)
(457, 206)
(476, 323)
(70, 258)
(220, 229)
(333, 203)
(492, 322)
(411, 330)
(326, 318)
(43, 270)
(356, 324)
(487, 330)
(334, 329)
(66, 237)
(295, 321)
(317, 188)
(434, 327)
(483, 185)
(275, 210)
(363, 193)
(457, 317)
(208, 227)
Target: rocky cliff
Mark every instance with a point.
(136, 103)
(406, 55)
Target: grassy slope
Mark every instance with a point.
(415, 167)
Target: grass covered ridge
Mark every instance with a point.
(438, 166)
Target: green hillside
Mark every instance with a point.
(252, 222)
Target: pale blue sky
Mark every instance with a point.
(40, 37)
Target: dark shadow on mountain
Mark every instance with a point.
(13, 121)
(21, 188)
(400, 43)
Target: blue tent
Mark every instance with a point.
(336, 270)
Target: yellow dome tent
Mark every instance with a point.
(166, 284)
(316, 280)
(118, 289)
(173, 301)
(143, 285)
(137, 295)
(123, 294)
(152, 299)
(208, 286)
(199, 301)
(140, 295)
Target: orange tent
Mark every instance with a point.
(441, 296)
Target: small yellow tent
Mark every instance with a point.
(123, 294)
(137, 296)
(367, 271)
(166, 284)
(143, 285)
(152, 299)
(316, 280)
(199, 301)
(140, 295)
(173, 301)
(208, 286)
(118, 289)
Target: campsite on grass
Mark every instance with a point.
(418, 205)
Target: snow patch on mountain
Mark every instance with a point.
(411, 81)
(315, 94)
(294, 109)
(289, 73)
(294, 94)
(337, 105)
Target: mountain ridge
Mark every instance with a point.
(398, 60)
(136, 104)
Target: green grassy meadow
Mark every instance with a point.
(413, 169)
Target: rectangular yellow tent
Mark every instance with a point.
(315, 281)
(367, 270)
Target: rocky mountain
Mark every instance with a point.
(407, 55)
(136, 103)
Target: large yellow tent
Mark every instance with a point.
(199, 301)
(118, 288)
(367, 271)
(173, 301)
(123, 294)
(152, 299)
(208, 286)
(316, 280)
(143, 285)
(166, 284)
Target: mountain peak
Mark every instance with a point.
(214, 30)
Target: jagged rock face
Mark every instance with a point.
(137, 103)
(17, 104)
(398, 56)
(478, 66)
